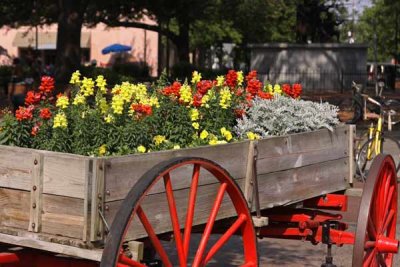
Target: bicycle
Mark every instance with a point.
(376, 142)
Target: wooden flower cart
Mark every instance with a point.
(120, 211)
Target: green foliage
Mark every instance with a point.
(14, 133)
(133, 69)
(379, 19)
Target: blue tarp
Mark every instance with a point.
(116, 48)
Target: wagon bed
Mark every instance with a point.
(62, 202)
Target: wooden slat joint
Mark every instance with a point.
(98, 198)
(35, 217)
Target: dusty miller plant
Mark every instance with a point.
(283, 115)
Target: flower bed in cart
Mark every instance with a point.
(66, 159)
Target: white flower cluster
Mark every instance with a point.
(285, 115)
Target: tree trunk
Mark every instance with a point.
(182, 42)
(68, 54)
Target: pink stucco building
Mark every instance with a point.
(18, 42)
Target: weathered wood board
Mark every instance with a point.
(63, 196)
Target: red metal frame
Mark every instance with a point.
(30, 258)
(327, 202)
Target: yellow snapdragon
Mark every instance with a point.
(194, 114)
(60, 121)
(227, 134)
(62, 102)
(75, 78)
(109, 118)
(79, 100)
(225, 98)
(203, 134)
(252, 136)
(87, 86)
(102, 104)
(176, 147)
(185, 94)
(240, 77)
(220, 80)
(117, 104)
(159, 139)
(196, 77)
(141, 149)
(101, 83)
(277, 89)
(102, 150)
(196, 125)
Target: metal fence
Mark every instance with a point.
(317, 81)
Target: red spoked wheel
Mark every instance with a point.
(133, 208)
(375, 240)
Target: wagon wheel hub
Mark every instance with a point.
(386, 245)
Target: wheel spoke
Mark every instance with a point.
(129, 262)
(174, 219)
(369, 257)
(225, 237)
(371, 229)
(381, 260)
(153, 237)
(190, 209)
(387, 203)
(387, 221)
(210, 223)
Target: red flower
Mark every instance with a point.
(239, 113)
(297, 89)
(47, 84)
(239, 92)
(253, 86)
(32, 98)
(35, 130)
(203, 86)
(287, 89)
(231, 78)
(251, 76)
(143, 109)
(264, 95)
(197, 98)
(172, 90)
(45, 113)
(23, 113)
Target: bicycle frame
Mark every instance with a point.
(375, 134)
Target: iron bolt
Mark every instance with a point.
(34, 205)
(101, 167)
(99, 196)
(34, 188)
(106, 207)
(108, 192)
(99, 206)
(99, 233)
(35, 162)
(33, 225)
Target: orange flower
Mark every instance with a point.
(47, 84)
(23, 113)
(32, 98)
(45, 113)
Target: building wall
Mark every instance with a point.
(316, 66)
(100, 37)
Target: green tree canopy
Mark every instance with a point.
(379, 21)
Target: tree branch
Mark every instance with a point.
(134, 24)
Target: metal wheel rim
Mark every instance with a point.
(247, 228)
(382, 172)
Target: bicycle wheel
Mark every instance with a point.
(363, 161)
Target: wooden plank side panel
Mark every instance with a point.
(156, 208)
(294, 185)
(14, 208)
(294, 151)
(63, 216)
(122, 172)
(65, 175)
(15, 167)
